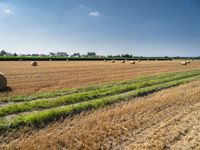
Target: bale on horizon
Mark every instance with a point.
(113, 61)
(184, 63)
(132, 62)
(34, 63)
(123, 61)
(3, 82)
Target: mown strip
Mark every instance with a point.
(89, 88)
(36, 118)
(79, 97)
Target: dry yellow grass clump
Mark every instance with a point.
(166, 119)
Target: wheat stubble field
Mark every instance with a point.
(150, 105)
(48, 76)
(168, 119)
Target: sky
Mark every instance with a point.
(107, 27)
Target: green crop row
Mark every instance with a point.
(44, 116)
(89, 95)
(92, 88)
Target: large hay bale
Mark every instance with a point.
(34, 63)
(3, 82)
(188, 62)
(123, 61)
(139, 60)
(105, 60)
(132, 62)
(184, 63)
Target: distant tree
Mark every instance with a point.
(35, 54)
(127, 55)
(2, 53)
(117, 56)
(51, 54)
(76, 55)
(91, 54)
(15, 54)
(64, 54)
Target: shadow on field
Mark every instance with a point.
(6, 90)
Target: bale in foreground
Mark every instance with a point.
(34, 63)
(3, 82)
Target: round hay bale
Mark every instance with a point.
(112, 61)
(123, 61)
(139, 60)
(3, 82)
(184, 63)
(34, 63)
(105, 60)
(132, 62)
(67, 60)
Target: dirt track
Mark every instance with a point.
(26, 80)
(168, 119)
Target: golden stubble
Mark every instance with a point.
(53, 75)
(163, 120)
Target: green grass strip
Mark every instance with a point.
(79, 97)
(36, 118)
(89, 88)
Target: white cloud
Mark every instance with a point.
(6, 9)
(94, 14)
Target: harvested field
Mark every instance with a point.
(168, 119)
(24, 79)
(83, 117)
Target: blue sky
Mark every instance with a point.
(138, 27)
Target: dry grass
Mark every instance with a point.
(167, 119)
(50, 75)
